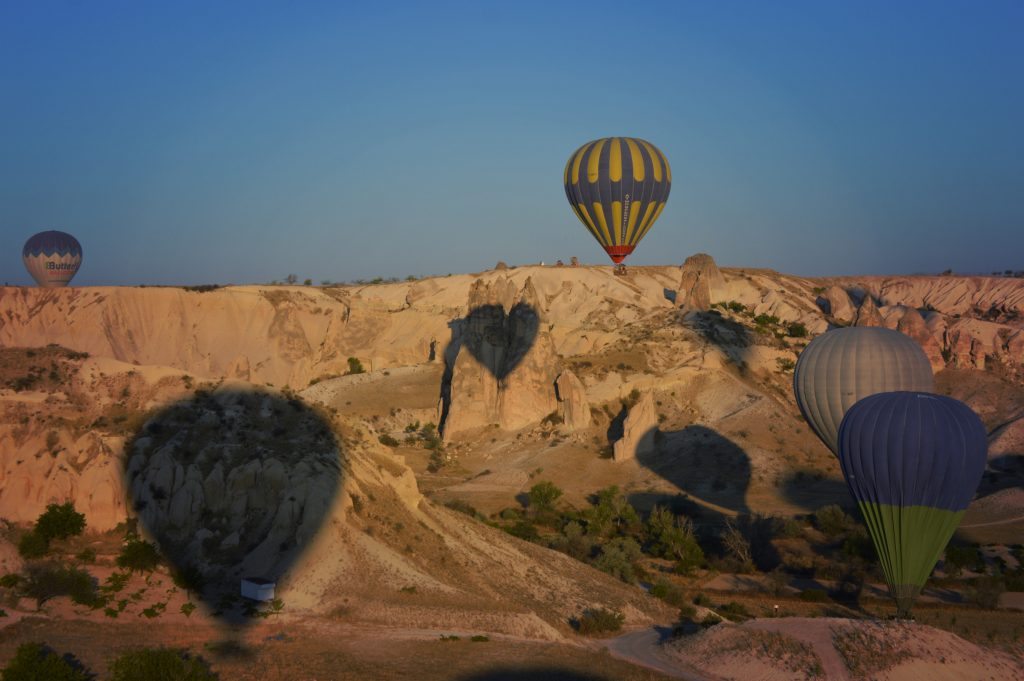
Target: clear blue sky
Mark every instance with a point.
(201, 142)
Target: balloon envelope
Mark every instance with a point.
(617, 186)
(52, 258)
(913, 462)
(840, 367)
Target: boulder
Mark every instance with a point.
(836, 302)
(912, 324)
(637, 430)
(573, 396)
(504, 366)
(868, 314)
(701, 283)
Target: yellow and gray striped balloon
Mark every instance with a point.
(618, 187)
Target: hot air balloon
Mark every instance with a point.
(52, 258)
(913, 462)
(844, 365)
(618, 187)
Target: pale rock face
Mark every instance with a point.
(573, 396)
(504, 367)
(638, 430)
(701, 283)
(836, 302)
(868, 314)
(912, 324)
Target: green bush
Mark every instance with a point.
(36, 662)
(766, 320)
(832, 520)
(10, 580)
(734, 611)
(814, 595)
(479, 638)
(599, 621)
(543, 496)
(670, 593)
(60, 521)
(160, 664)
(33, 545)
(87, 556)
(49, 581)
(710, 620)
(796, 330)
(355, 366)
(138, 555)
(388, 441)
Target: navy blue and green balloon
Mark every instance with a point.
(912, 461)
(617, 186)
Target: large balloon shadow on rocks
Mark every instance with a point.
(702, 463)
(499, 341)
(708, 467)
(729, 336)
(233, 484)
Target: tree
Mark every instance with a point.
(672, 536)
(355, 366)
(307, 282)
(618, 557)
(611, 513)
(33, 545)
(291, 279)
(138, 556)
(160, 664)
(37, 662)
(543, 496)
(60, 522)
(737, 545)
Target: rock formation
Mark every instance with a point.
(502, 366)
(912, 324)
(573, 397)
(701, 283)
(868, 314)
(637, 430)
(836, 302)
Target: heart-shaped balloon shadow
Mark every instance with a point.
(233, 484)
(497, 340)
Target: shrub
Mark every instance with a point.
(710, 620)
(48, 581)
(960, 557)
(479, 638)
(618, 557)
(814, 595)
(543, 496)
(985, 592)
(599, 621)
(60, 521)
(160, 664)
(796, 330)
(33, 545)
(36, 662)
(87, 556)
(355, 366)
(785, 364)
(734, 611)
(388, 441)
(670, 593)
(138, 555)
(766, 320)
(832, 520)
(10, 580)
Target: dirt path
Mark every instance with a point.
(810, 631)
(643, 648)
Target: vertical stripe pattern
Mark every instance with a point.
(617, 186)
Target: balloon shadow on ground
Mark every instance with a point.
(812, 492)
(1005, 471)
(232, 484)
(728, 335)
(531, 674)
(702, 463)
(499, 341)
(710, 468)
